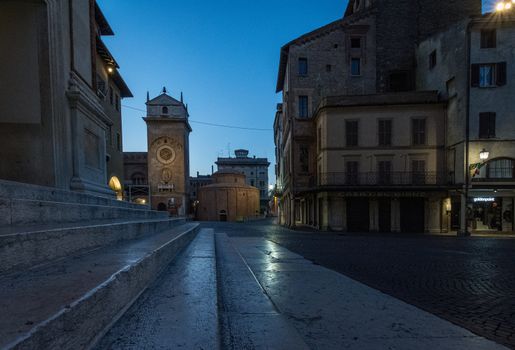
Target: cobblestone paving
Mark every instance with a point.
(468, 281)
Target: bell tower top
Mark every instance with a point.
(165, 106)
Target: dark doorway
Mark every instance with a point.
(412, 215)
(455, 215)
(223, 215)
(161, 207)
(358, 218)
(385, 215)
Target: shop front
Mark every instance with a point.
(490, 213)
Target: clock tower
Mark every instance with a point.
(168, 158)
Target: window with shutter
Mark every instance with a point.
(486, 125)
(418, 128)
(351, 133)
(501, 73)
(385, 132)
(488, 38)
(474, 75)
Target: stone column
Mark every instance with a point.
(324, 220)
(374, 215)
(464, 231)
(396, 215)
(434, 211)
(336, 218)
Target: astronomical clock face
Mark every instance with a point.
(165, 154)
(166, 150)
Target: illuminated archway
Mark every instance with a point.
(116, 186)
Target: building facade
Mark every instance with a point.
(380, 165)
(471, 63)
(254, 169)
(228, 198)
(136, 177)
(368, 56)
(56, 111)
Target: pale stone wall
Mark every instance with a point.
(334, 152)
(175, 134)
(58, 136)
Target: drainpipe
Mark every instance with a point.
(464, 232)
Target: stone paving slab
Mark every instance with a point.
(250, 320)
(180, 310)
(332, 311)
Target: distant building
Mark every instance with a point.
(196, 183)
(136, 177)
(228, 198)
(60, 97)
(165, 178)
(254, 169)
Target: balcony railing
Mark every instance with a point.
(427, 178)
(495, 174)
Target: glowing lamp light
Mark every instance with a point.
(110, 69)
(448, 207)
(500, 6)
(484, 154)
(507, 6)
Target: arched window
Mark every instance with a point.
(165, 110)
(138, 179)
(500, 169)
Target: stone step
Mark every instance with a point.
(16, 190)
(180, 309)
(28, 212)
(27, 246)
(71, 303)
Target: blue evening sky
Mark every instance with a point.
(223, 55)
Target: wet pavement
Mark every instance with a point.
(467, 281)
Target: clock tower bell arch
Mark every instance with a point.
(168, 160)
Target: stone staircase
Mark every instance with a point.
(85, 272)
(71, 263)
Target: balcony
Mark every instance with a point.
(496, 174)
(385, 179)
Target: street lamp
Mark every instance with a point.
(484, 154)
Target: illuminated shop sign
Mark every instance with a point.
(484, 200)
